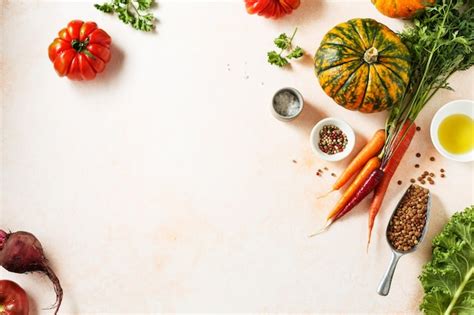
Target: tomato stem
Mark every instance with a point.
(78, 45)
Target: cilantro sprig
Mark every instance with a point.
(285, 44)
(134, 12)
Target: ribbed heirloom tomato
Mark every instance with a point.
(271, 8)
(81, 51)
(13, 299)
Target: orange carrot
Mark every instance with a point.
(356, 185)
(371, 149)
(403, 140)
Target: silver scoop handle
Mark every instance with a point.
(384, 286)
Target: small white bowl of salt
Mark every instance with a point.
(287, 104)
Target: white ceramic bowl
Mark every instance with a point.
(465, 107)
(341, 124)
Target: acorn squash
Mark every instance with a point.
(363, 65)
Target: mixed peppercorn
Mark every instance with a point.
(332, 140)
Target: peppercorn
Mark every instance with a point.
(399, 182)
(417, 165)
(332, 140)
(432, 159)
(418, 128)
(418, 155)
(412, 180)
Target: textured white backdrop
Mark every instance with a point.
(166, 185)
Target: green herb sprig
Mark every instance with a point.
(134, 12)
(285, 44)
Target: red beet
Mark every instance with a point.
(21, 252)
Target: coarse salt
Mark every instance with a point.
(286, 104)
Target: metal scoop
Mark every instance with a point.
(384, 286)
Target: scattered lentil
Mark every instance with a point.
(412, 180)
(333, 175)
(432, 174)
(442, 170)
(418, 155)
(407, 224)
(423, 181)
(332, 139)
(442, 175)
(326, 168)
(294, 161)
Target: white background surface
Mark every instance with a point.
(165, 185)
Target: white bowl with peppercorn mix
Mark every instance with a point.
(332, 139)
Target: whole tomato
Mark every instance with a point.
(13, 299)
(271, 8)
(81, 51)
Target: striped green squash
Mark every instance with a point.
(363, 65)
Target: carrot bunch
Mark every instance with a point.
(373, 168)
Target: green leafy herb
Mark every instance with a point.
(296, 53)
(134, 12)
(285, 44)
(441, 42)
(448, 279)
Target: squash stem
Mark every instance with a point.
(371, 55)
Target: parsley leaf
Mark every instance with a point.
(134, 12)
(285, 44)
(144, 4)
(282, 41)
(296, 53)
(106, 7)
(275, 59)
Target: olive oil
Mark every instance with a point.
(456, 134)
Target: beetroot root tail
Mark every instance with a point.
(57, 288)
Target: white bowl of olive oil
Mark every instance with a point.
(452, 130)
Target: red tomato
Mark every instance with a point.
(271, 8)
(80, 51)
(13, 299)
